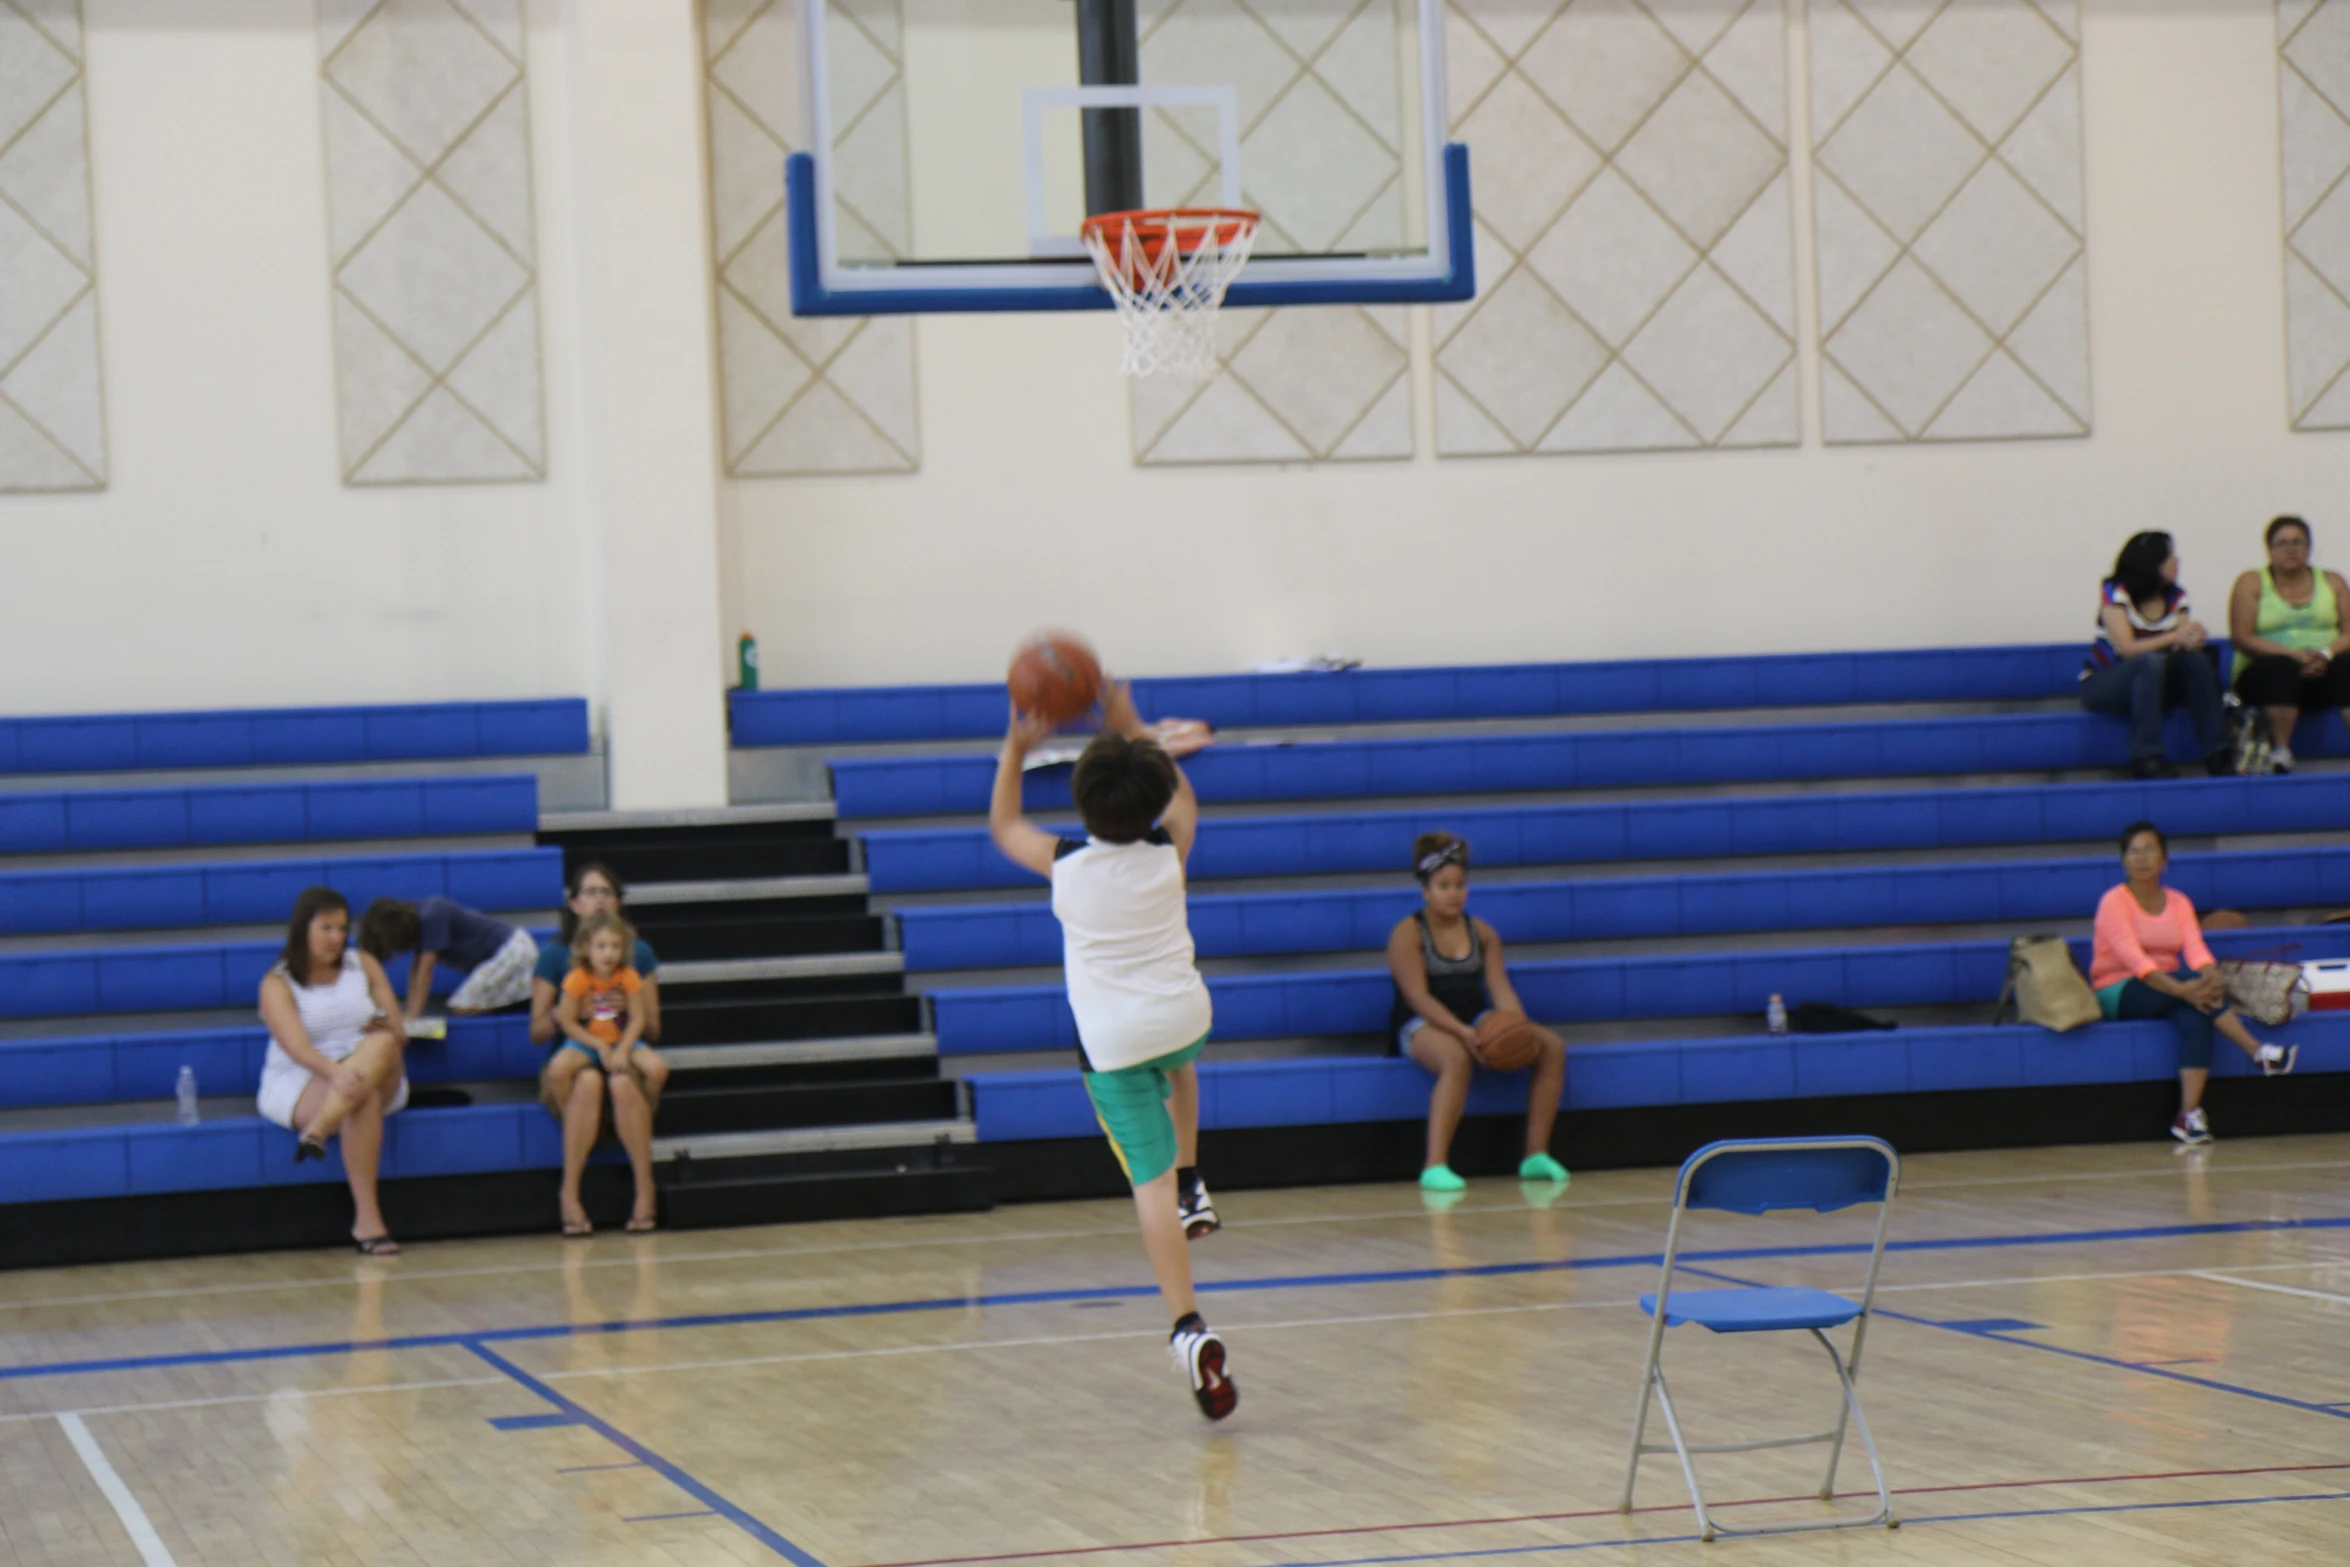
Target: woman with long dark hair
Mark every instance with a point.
(2150, 656)
(336, 1046)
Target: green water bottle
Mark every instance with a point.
(746, 651)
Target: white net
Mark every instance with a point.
(1168, 272)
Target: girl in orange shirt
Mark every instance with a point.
(602, 1013)
(2147, 961)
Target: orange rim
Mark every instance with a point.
(1188, 228)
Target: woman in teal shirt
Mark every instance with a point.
(2286, 621)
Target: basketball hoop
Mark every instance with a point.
(1168, 270)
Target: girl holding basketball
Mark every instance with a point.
(1453, 988)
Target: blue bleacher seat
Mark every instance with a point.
(860, 715)
(257, 892)
(974, 936)
(122, 1068)
(264, 737)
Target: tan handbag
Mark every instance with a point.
(2045, 987)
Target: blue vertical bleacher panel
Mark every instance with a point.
(1594, 832)
(1679, 830)
(139, 897)
(392, 808)
(2086, 1055)
(1652, 987)
(1833, 1065)
(542, 726)
(510, 879)
(1942, 1060)
(411, 877)
(1893, 977)
(225, 1060)
(9, 758)
(314, 734)
(1712, 904)
(256, 892)
(2055, 889)
(1720, 1071)
(218, 1156)
(194, 740)
(480, 805)
(1382, 1090)
(1642, 907)
(75, 744)
(1620, 1076)
(1698, 684)
(161, 979)
(127, 818)
(1270, 1093)
(1612, 761)
(36, 902)
(33, 823)
(253, 813)
(1816, 900)
(35, 1072)
(47, 984)
(1386, 696)
(425, 729)
(469, 1141)
(63, 1166)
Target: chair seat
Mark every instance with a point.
(1755, 1310)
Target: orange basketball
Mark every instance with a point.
(1055, 677)
(1506, 1041)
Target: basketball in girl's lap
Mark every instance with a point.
(1506, 1041)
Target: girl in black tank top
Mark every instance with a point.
(1438, 999)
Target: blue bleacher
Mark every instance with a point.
(123, 1068)
(998, 1019)
(1021, 1106)
(973, 936)
(190, 978)
(1583, 759)
(870, 714)
(945, 859)
(62, 821)
(277, 737)
(258, 892)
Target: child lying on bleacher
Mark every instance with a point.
(497, 957)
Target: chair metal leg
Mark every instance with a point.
(1664, 1402)
(1860, 1422)
(1639, 1432)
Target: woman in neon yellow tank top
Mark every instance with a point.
(2286, 620)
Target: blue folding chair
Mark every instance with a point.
(1758, 1176)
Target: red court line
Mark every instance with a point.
(1597, 1512)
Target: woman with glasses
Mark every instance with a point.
(2147, 961)
(2286, 621)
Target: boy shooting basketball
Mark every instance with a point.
(1142, 1008)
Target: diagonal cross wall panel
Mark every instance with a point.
(2313, 80)
(1946, 179)
(52, 418)
(807, 395)
(429, 214)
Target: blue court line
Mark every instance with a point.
(891, 1308)
(531, 1422)
(650, 1459)
(1906, 1523)
(2144, 1368)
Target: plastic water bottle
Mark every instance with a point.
(187, 1096)
(1776, 1014)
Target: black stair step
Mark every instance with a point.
(687, 941)
(809, 987)
(709, 853)
(800, 1195)
(725, 1020)
(659, 916)
(785, 1073)
(689, 1112)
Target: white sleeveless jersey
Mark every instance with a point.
(1126, 946)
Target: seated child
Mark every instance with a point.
(497, 957)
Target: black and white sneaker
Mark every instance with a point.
(1199, 1355)
(1197, 1210)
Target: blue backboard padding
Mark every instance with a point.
(1606, 759)
(263, 737)
(987, 1020)
(246, 1152)
(159, 979)
(944, 859)
(978, 936)
(859, 714)
(119, 1068)
(258, 892)
(1029, 1106)
(810, 296)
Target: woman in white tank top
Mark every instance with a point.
(335, 1052)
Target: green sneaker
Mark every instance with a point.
(1541, 1167)
(1439, 1178)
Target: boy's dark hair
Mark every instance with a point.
(389, 928)
(1122, 787)
(310, 903)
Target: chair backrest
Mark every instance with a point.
(1764, 1175)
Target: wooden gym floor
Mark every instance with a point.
(2083, 1356)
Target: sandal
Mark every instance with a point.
(376, 1245)
(307, 1147)
(576, 1227)
(642, 1223)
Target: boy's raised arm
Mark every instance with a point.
(1021, 841)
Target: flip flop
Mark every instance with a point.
(580, 1226)
(307, 1147)
(376, 1245)
(638, 1224)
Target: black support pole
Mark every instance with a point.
(1109, 54)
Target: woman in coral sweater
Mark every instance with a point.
(2148, 961)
